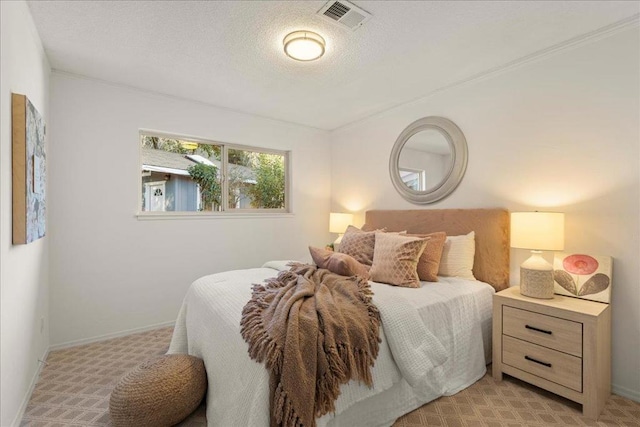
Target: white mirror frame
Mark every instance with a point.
(451, 180)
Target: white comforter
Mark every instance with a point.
(424, 353)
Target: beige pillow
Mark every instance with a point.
(367, 227)
(395, 259)
(457, 256)
(429, 261)
(338, 263)
(358, 244)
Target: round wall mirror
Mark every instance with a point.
(428, 160)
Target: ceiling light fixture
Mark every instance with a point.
(304, 45)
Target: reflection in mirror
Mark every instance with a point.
(428, 160)
(425, 160)
(412, 178)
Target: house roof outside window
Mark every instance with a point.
(155, 160)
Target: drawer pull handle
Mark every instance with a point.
(538, 329)
(548, 365)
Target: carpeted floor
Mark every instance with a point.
(74, 389)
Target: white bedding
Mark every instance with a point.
(434, 341)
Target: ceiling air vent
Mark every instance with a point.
(345, 14)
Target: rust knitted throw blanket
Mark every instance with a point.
(314, 330)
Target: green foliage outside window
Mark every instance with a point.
(206, 176)
(254, 178)
(180, 146)
(269, 189)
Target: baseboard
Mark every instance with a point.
(83, 341)
(626, 392)
(25, 400)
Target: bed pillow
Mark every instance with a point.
(429, 261)
(395, 259)
(338, 263)
(366, 227)
(457, 256)
(358, 244)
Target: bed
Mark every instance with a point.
(443, 353)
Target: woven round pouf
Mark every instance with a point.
(159, 392)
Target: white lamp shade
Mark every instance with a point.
(543, 231)
(338, 222)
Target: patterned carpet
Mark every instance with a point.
(74, 389)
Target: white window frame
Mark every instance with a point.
(225, 213)
(421, 176)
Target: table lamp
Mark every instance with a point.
(338, 223)
(537, 231)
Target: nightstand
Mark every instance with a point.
(562, 345)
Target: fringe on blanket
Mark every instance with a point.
(344, 361)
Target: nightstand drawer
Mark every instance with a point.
(560, 368)
(548, 331)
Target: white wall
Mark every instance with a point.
(560, 133)
(111, 272)
(23, 268)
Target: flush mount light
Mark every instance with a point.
(303, 45)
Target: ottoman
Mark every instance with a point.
(159, 392)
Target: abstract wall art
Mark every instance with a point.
(28, 171)
(583, 276)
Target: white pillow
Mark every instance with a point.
(457, 256)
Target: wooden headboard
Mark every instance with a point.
(491, 226)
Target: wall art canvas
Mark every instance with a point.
(583, 276)
(29, 168)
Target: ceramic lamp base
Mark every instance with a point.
(536, 277)
(536, 283)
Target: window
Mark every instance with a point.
(181, 174)
(413, 178)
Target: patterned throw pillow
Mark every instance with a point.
(429, 261)
(358, 244)
(457, 256)
(395, 259)
(338, 263)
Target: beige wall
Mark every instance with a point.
(558, 133)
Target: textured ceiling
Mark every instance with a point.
(229, 53)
